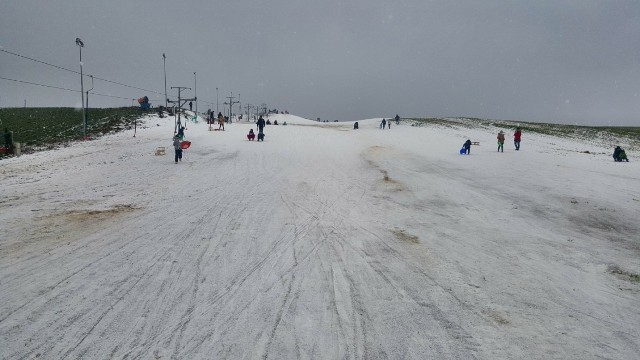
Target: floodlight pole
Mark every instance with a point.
(195, 90)
(217, 102)
(84, 115)
(164, 62)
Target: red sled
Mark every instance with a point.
(185, 144)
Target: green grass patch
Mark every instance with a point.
(611, 134)
(45, 127)
(616, 270)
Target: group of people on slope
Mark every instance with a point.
(517, 138)
(386, 123)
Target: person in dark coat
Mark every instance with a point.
(355, 125)
(467, 147)
(397, 119)
(177, 146)
(619, 154)
(260, 126)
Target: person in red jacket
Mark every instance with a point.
(516, 138)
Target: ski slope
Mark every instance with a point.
(322, 242)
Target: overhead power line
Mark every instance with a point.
(32, 83)
(76, 72)
(72, 90)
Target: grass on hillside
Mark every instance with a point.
(35, 128)
(612, 134)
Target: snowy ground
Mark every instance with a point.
(322, 242)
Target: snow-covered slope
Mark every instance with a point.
(321, 242)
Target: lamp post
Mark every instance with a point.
(84, 115)
(195, 90)
(217, 110)
(164, 65)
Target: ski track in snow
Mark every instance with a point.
(321, 242)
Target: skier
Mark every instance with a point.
(516, 138)
(260, 125)
(178, 148)
(501, 141)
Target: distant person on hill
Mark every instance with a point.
(619, 154)
(389, 124)
(383, 123)
(178, 148)
(501, 141)
(467, 147)
(220, 121)
(355, 125)
(516, 138)
(397, 119)
(260, 126)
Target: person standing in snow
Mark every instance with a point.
(260, 126)
(383, 124)
(178, 148)
(516, 138)
(190, 106)
(220, 121)
(397, 119)
(501, 141)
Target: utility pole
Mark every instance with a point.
(217, 102)
(87, 113)
(180, 102)
(230, 103)
(195, 89)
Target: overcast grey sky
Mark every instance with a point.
(574, 62)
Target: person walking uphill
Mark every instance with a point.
(220, 121)
(178, 148)
(516, 138)
(383, 124)
(260, 125)
(501, 141)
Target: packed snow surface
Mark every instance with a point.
(322, 242)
